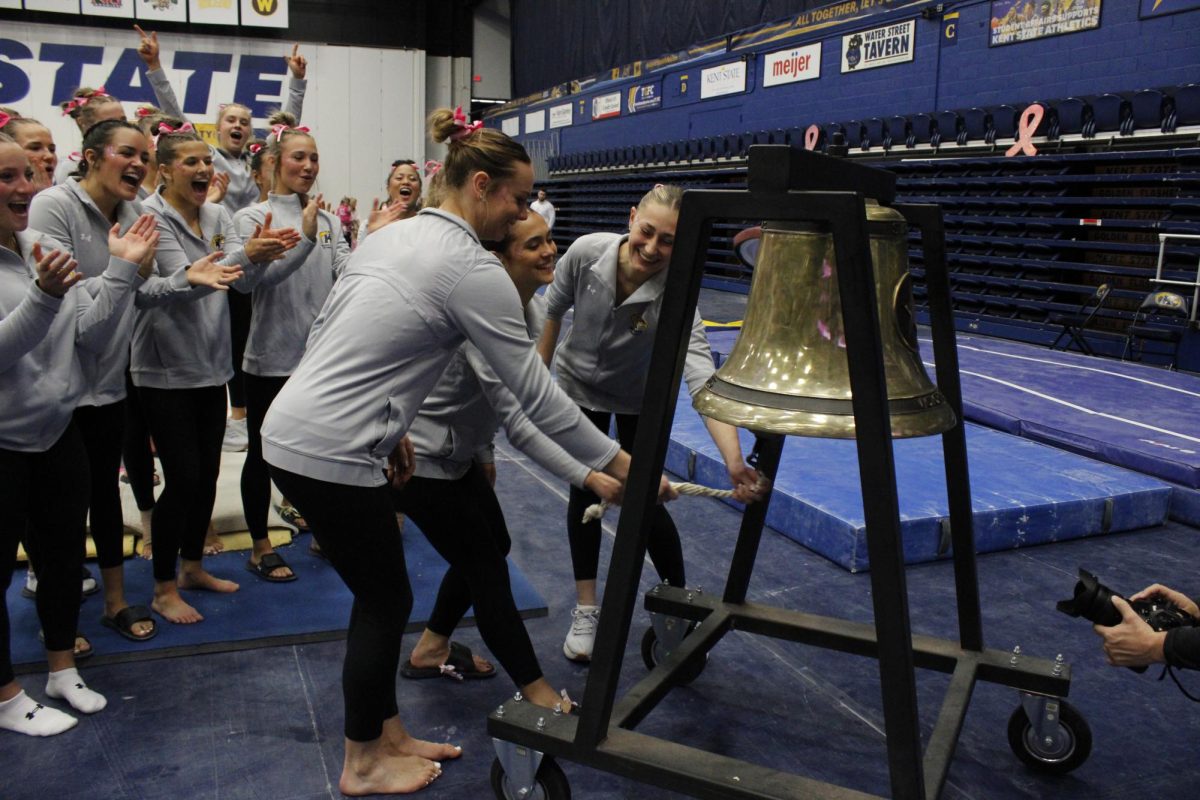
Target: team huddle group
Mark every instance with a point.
(373, 382)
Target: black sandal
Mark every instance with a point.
(123, 621)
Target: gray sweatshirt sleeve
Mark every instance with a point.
(165, 95)
(560, 295)
(698, 364)
(523, 434)
(269, 273)
(485, 307)
(26, 326)
(172, 286)
(295, 99)
(98, 316)
(47, 215)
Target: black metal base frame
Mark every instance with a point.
(787, 184)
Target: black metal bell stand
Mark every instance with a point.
(787, 185)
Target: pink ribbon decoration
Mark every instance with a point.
(1031, 117)
(4, 119)
(465, 128)
(277, 130)
(80, 102)
(144, 111)
(254, 147)
(432, 168)
(164, 128)
(812, 135)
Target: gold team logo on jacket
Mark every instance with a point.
(218, 241)
(637, 325)
(325, 237)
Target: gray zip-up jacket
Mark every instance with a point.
(458, 419)
(288, 292)
(242, 190)
(44, 341)
(603, 361)
(186, 344)
(408, 298)
(68, 215)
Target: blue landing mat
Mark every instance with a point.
(314, 608)
(1023, 493)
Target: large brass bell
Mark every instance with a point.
(788, 372)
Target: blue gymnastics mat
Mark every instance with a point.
(1023, 493)
(314, 608)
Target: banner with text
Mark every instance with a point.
(723, 79)
(1014, 21)
(790, 66)
(878, 47)
(107, 8)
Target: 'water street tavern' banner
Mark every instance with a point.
(1016, 21)
(878, 47)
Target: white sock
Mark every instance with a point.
(25, 715)
(66, 684)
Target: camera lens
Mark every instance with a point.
(1092, 601)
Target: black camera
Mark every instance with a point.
(1093, 601)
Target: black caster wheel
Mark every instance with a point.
(652, 654)
(550, 783)
(1073, 749)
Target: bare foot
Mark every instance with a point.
(376, 771)
(173, 608)
(399, 741)
(213, 543)
(205, 581)
(147, 550)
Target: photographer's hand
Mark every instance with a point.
(1133, 643)
(1180, 599)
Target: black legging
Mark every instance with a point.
(187, 425)
(256, 480)
(48, 494)
(356, 529)
(463, 521)
(103, 431)
(663, 545)
(135, 452)
(240, 308)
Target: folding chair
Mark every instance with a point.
(1073, 325)
(1162, 317)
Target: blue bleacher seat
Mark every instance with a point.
(975, 125)
(874, 131)
(951, 127)
(1074, 116)
(1146, 110)
(830, 129)
(1043, 128)
(1004, 123)
(899, 131)
(1108, 111)
(924, 130)
(853, 131)
(1187, 104)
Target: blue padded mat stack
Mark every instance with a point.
(315, 607)
(1023, 493)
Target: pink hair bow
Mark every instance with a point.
(465, 128)
(164, 128)
(254, 147)
(277, 130)
(80, 102)
(432, 168)
(4, 119)
(144, 111)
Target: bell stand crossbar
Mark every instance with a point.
(787, 184)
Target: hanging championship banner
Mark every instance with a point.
(1016, 21)
(265, 13)
(107, 8)
(53, 6)
(878, 47)
(213, 12)
(160, 10)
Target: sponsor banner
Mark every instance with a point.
(878, 47)
(265, 13)
(606, 105)
(511, 126)
(723, 79)
(160, 10)
(53, 6)
(107, 8)
(792, 65)
(213, 12)
(831, 15)
(561, 116)
(10, 4)
(1159, 8)
(535, 121)
(1022, 21)
(643, 97)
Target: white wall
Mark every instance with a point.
(366, 106)
(492, 50)
(447, 85)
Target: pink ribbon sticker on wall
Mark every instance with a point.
(811, 136)
(1031, 117)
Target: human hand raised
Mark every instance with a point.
(381, 216)
(56, 272)
(148, 48)
(137, 244)
(309, 216)
(296, 63)
(207, 272)
(217, 187)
